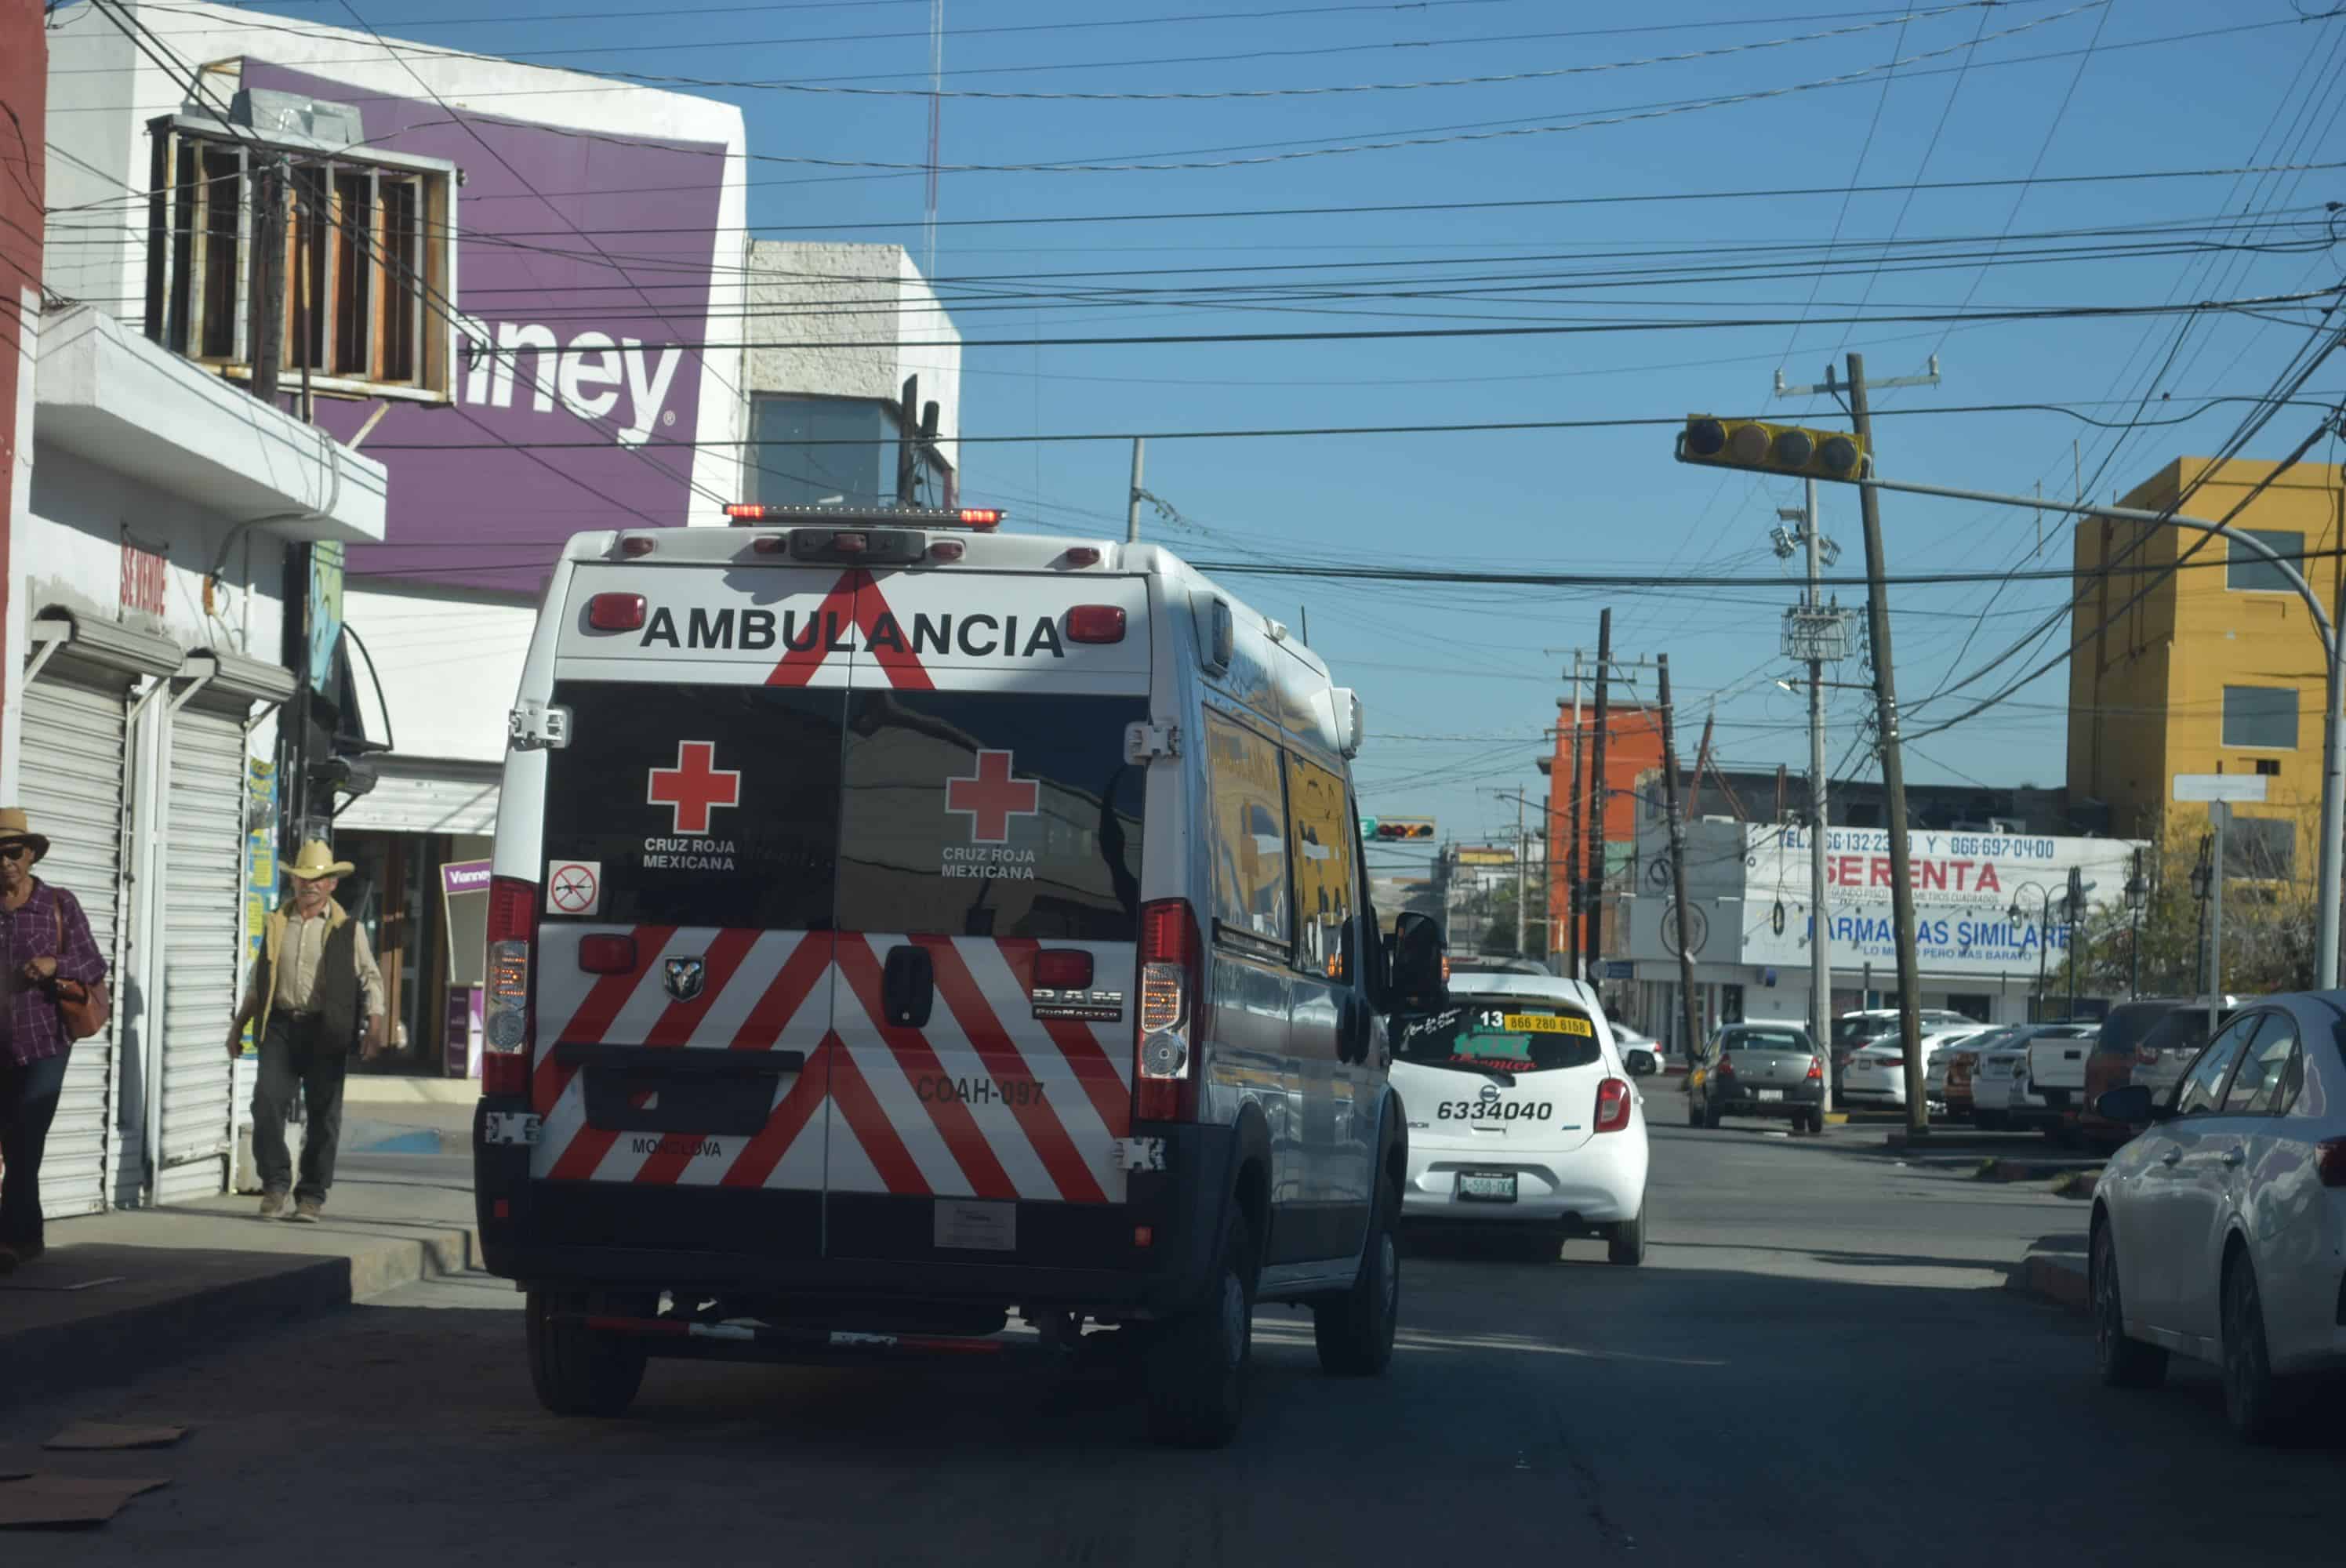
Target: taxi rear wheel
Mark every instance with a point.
(1625, 1241)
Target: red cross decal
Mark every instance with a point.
(695, 787)
(990, 796)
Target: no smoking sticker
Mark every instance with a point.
(574, 886)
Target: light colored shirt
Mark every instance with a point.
(297, 964)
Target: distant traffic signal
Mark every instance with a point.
(1765, 448)
(1390, 827)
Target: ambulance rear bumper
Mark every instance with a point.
(859, 1247)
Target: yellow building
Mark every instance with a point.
(2215, 668)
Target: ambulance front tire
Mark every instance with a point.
(1196, 1366)
(1354, 1332)
(579, 1372)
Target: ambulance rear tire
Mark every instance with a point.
(1197, 1364)
(577, 1370)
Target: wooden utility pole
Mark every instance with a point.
(1893, 767)
(268, 278)
(1593, 905)
(1572, 799)
(1677, 863)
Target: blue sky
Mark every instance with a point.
(1461, 682)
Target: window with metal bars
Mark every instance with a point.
(368, 256)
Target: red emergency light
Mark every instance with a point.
(981, 517)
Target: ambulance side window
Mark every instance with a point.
(1325, 897)
(1249, 807)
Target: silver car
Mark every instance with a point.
(1757, 1070)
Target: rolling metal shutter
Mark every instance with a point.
(74, 760)
(202, 941)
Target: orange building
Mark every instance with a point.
(1633, 748)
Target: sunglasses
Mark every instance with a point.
(15, 851)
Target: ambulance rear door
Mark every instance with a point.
(988, 899)
(685, 988)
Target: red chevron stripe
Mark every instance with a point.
(724, 956)
(860, 1108)
(860, 967)
(791, 987)
(1079, 1045)
(782, 1000)
(1001, 1055)
(790, 1116)
(604, 998)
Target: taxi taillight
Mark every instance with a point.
(1612, 1105)
(508, 1005)
(1169, 1023)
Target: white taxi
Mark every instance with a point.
(1521, 1114)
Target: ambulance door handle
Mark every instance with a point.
(908, 987)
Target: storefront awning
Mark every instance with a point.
(416, 796)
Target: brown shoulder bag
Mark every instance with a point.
(85, 1009)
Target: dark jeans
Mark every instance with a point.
(292, 1057)
(28, 1103)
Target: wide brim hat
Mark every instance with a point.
(316, 860)
(15, 827)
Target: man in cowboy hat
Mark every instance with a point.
(315, 971)
(44, 939)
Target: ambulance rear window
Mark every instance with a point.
(1002, 814)
(694, 805)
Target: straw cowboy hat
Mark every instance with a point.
(314, 862)
(14, 828)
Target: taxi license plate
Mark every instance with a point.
(1771, 1094)
(1544, 1023)
(1486, 1186)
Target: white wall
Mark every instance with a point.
(449, 663)
(871, 298)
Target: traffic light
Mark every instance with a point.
(1789, 448)
(1387, 829)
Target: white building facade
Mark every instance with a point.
(1751, 921)
(144, 630)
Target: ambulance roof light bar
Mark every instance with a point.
(977, 517)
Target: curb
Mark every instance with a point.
(2054, 1279)
(112, 1347)
(384, 1090)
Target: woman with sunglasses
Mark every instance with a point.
(43, 938)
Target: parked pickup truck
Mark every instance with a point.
(2056, 1067)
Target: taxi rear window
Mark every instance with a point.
(1509, 1035)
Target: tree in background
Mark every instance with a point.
(2269, 920)
(1498, 928)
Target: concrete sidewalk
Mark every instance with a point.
(118, 1294)
(2054, 1271)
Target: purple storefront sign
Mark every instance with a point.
(465, 877)
(582, 257)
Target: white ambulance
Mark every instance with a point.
(897, 926)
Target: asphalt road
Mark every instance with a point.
(1816, 1365)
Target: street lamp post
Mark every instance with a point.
(2043, 925)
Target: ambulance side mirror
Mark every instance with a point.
(1417, 985)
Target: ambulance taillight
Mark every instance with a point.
(616, 612)
(1170, 1019)
(1096, 624)
(506, 1006)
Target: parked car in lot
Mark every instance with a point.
(1642, 1054)
(1962, 1064)
(2217, 1233)
(1520, 1113)
(1939, 1058)
(1853, 1032)
(2002, 1095)
(1757, 1070)
(2150, 1042)
(1876, 1073)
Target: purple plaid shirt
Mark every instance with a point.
(34, 1032)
